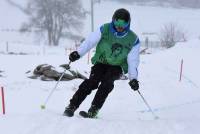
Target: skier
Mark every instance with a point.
(117, 52)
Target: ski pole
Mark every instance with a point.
(47, 99)
(154, 115)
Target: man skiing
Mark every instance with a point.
(117, 52)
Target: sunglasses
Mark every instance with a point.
(120, 23)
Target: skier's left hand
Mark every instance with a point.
(134, 84)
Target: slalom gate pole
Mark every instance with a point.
(48, 97)
(154, 115)
(3, 100)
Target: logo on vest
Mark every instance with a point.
(116, 50)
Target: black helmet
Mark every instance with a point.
(121, 14)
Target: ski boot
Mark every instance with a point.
(92, 112)
(69, 110)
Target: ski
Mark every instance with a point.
(84, 114)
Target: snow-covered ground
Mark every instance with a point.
(176, 103)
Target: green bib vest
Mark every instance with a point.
(114, 50)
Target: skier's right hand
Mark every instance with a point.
(134, 84)
(74, 56)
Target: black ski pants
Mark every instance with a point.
(102, 77)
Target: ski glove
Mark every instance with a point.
(74, 56)
(134, 84)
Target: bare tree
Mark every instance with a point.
(171, 34)
(55, 18)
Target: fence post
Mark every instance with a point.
(70, 50)
(88, 59)
(181, 71)
(7, 49)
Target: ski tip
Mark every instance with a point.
(83, 114)
(67, 115)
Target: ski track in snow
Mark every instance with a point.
(184, 76)
(52, 123)
(170, 107)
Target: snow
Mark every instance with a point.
(145, 19)
(149, 19)
(176, 103)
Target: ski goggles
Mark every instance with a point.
(120, 23)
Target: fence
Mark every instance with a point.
(19, 48)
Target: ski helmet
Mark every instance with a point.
(122, 14)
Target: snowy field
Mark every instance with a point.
(145, 19)
(176, 103)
